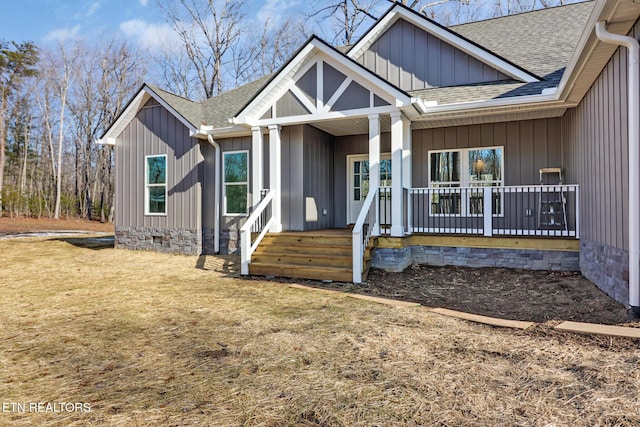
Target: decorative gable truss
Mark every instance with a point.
(322, 84)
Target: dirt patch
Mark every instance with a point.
(27, 225)
(516, 294)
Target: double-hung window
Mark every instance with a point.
(236, 182)
(461, 173)
(155, 200)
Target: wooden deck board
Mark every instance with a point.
(593, 328)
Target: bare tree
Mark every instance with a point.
(260, 54)
(175, 72)
(348, 17)
(208, 29)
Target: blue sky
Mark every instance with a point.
(47, 21)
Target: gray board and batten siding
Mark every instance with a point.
(156, 131)
(596, 148)
(395, 58)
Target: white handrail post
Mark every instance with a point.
(577, 209)
(357, 255)
(487, 210)
(245, 249)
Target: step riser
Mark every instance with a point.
(308, 241)
(261, 270)
(344, 262)
(310, 250)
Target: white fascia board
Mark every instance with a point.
(582, 51)
(469, 48)
(133, 108)
(125, 118)
(331, 115)
(535, 101)
(248, 112)
(225, 132)
(192, 129)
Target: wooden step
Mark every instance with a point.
(302, 272)
(307, 239)
(305, 249)
(303, 259)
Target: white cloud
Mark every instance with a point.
(143, 3)
(275, 10)
(62, 34)
(93, 8)
(151, 36)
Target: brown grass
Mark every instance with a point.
(23, 225)
(154, 339)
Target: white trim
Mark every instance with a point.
(338, 93)
(351, 159)
(147, 185)
(315, 51)
(464, 182)
(448, 36)
(332, 115)
(224, 184)
(135, 105)
(302, 98)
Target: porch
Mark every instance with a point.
(525, 222)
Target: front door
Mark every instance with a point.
(358, 185)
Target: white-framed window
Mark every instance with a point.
(235, 165)
(155, 184)
(466, 169)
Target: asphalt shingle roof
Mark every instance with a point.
(541, 42)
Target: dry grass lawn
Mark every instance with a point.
(154, 339)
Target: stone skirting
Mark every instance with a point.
(170, 240)
(607, 267)
(397, 259)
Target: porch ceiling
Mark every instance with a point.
(352, 126)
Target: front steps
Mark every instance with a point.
(318, 255)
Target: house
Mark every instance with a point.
(505, 142)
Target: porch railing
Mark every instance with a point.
(533, 210)
(366, 225)
(254, 229)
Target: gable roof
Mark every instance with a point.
(544, 42)
(541, 41)
(314, 46)
(482, 53)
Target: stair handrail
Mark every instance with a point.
(361, 235)
(246, 246)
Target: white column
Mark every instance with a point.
(374, 164)
(275, 175)
(407, 171)
(397, 133)
(257, 160)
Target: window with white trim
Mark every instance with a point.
(155, 200)
(235, 165)
(465, 169)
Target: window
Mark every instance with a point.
(465, 169)
(156, 185)
(236, 182)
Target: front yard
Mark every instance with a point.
(140, 338)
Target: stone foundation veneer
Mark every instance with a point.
(607, 267)
(170, 240)
(398, 259)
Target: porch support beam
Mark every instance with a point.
(374, 165)
(397, 166)
(275, 175)
(257, 161)
(407, 170)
